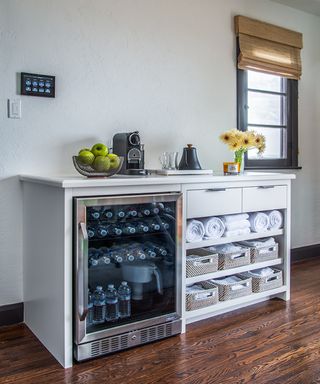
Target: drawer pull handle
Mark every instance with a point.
(216, 190)
(266, 187)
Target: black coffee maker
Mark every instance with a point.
(128, 145)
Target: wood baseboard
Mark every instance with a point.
(304, 253)
(11, 314)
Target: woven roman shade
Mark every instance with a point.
(268, 48)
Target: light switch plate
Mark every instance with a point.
(14, 108)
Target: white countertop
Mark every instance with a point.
(120, 180)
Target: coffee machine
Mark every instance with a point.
(128, 145)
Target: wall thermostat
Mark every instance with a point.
(37, 85)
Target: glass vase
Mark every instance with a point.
(238, 158)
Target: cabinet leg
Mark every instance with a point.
(284, 296)
(183, 326)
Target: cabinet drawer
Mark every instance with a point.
(264, 198)
(212, 202)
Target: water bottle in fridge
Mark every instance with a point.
(90, 308)
(124, 293)
(93, 213)
(107, 214)
(155, 209)
(116, 255)
(114, 230)
(145, 211)
(128, 229)
(131, 212)
(102, 231)
(99, 305)
(121, 213)
(91, 232)
(155, 227)
(127, 254)
(149, 252)
(137, 251)
(165, 225)
(112, 303)
(93, 255)
(104, 256)
(142, 227)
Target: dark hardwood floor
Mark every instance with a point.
(273, 342)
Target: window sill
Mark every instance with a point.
(270, 168)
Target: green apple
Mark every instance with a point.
(86, 157)
(100, 150)
(84, 149)
(101, 163)
(114, 160)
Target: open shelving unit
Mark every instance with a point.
(241, 198)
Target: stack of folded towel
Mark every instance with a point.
(262, 272)
(199, 290)
(194, 287)
(227, 248)
(268, 242)
(236, 225)
(230, 280)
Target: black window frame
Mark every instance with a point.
(291, 160)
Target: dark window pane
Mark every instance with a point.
(265, 108)
(275, 137)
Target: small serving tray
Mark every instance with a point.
(177, 172)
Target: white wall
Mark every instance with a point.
(164, 67)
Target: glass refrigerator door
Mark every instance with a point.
(128, 273)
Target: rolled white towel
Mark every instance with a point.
(259, 222)
(237, 225)
(237, 232)
(213, 227)
(275, 219)
(235, 218)
(195, 231)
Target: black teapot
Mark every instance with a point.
(189, 159)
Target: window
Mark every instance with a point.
(268, 104)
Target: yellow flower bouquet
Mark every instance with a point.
(240, 142)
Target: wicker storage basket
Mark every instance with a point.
(261, 284)
(201, 299)
(201, 261)
(227, 291)
(263, 253)
(234, 259)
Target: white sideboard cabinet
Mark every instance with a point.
(48, 240)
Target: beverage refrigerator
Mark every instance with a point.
(127, 258)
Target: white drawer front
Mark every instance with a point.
(212, 202)
(264, 198)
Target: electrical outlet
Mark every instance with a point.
(14, 108)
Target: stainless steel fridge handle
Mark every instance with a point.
(82, 275)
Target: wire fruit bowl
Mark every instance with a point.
(89, 171)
